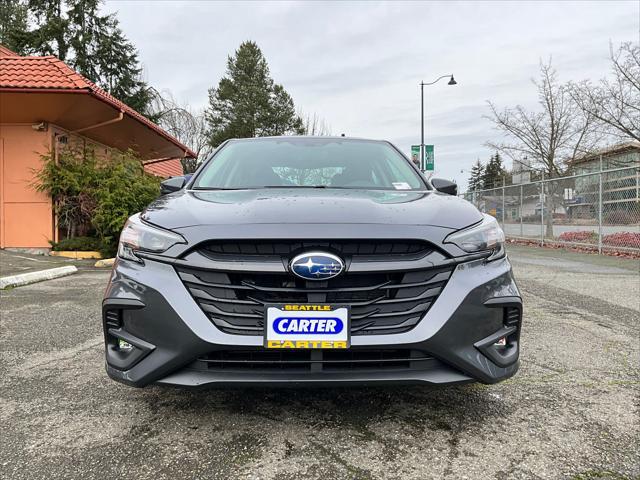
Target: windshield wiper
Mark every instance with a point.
(300, 186)
(216, 188)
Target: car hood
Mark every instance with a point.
(307, 206)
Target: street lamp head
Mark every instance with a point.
(452, 81)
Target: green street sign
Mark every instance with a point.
(429, 157)
(415, 154)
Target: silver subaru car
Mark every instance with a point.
(292, 261)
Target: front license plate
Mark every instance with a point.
(307, 326)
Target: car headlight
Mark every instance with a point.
(137, 236)
(484, 236)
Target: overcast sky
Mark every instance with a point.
(358, 65)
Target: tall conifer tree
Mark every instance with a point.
(77, 33)
(494, 172)
(248, 103)
(475, 180)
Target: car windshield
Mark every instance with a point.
(308, 163)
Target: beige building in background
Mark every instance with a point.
(44, 105)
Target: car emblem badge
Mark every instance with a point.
(316, 266)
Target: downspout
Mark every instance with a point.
(101, 124)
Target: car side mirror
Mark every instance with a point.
(444, 186)
(172, 184)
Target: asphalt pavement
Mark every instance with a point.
(14, 263)
(570, 412)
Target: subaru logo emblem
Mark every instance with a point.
(317, 266)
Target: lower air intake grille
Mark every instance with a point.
(113, 318)
(316, 360)
(511, 316)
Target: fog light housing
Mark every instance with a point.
(501, 342)
(501, 347)
(124, 350)
(124, 345)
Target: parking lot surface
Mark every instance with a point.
(570, 412)
(14, 263)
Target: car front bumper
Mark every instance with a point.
(149, 307)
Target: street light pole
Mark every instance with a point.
(422, 165)
(422, 85)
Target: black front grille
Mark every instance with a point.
(381, 302)
(288, 248)
(316, 360)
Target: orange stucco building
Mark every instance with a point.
(44, 104)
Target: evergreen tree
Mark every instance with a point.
(494, 172)
(247, 102)
(13, 25)
(88, 31)
(283, 118)
(76, 33)
(119, 72)
(476, 178)
(49, 35)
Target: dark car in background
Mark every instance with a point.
(309, 261)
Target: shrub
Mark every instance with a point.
(622, 239)
(94, 195)
(80, 244)
(124, 190)
(581, 236)
(69, 182)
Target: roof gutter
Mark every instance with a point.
(158, 160)
(102, 124)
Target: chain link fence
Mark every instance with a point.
(597, 211)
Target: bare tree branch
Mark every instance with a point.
(314, 125)
(616, 101)
(551, 136)
(184, 123)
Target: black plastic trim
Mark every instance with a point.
(497, 302)
(124, 360)
(116, 358)
(121, 303)
(501, 356)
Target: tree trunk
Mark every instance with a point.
(549, 226)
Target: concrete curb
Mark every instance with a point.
(76, 254)
(32, 277)
(106, 262)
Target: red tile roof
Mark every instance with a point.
(51, 73)
(165, 168)
(39, 72)
(5, 52)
